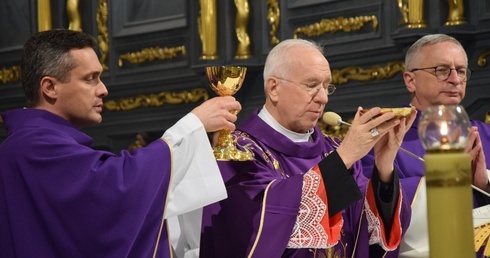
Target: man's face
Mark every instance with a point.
(80, 99)
(425, 87)
(297, 103)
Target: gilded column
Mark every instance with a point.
(241, 24)
(208, 29)
(43, 15)
(103, 34)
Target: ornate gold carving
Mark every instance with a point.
(487, 117)
(206, 24)
(336, 24)
(273, 17)
(482, 58)
(142, 140)
(456, 13)
(103, 34)
(150, 54)
(374, 73)
(156, 100)
(43, 15)
(75, 22)
(413, 13)
(241, 24)
(9, 75)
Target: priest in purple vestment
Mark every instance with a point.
(61, 198)
(304, 194)
(436, 73)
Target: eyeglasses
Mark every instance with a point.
(313, 88)
(443, 72)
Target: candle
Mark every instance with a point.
(444, 132)
(449, 204)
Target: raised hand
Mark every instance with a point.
(366, 130)
(215, 113)
(478, 163)
(386, 148)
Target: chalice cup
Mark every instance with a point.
(226, 81)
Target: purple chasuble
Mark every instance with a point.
(257, 218)
(61, 198)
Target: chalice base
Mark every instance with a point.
(225, 149)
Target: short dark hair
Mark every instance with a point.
(47, 53)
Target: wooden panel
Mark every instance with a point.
(133, 17)
(303, 3)
(16, 24)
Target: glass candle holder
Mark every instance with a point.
(444, 133)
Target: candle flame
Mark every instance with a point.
(444, 129)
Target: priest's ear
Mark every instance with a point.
(272, 88)
(47, 88)
(409, 79)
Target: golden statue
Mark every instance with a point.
(207, 29)
(273, 16)
(73, 15)
(456, 13)
(241, 24)
(413, 13)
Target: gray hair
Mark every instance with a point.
(278, 62)
(413, 53)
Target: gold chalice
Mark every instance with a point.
(226, 81)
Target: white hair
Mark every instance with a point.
(278, 62)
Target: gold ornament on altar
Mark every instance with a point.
(226, 81)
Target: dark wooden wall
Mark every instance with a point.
(365, 42)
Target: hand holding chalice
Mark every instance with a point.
(226, 81)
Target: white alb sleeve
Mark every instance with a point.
(196, 180)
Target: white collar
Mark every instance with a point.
(293, 136)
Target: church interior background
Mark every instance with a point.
(155, 53)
